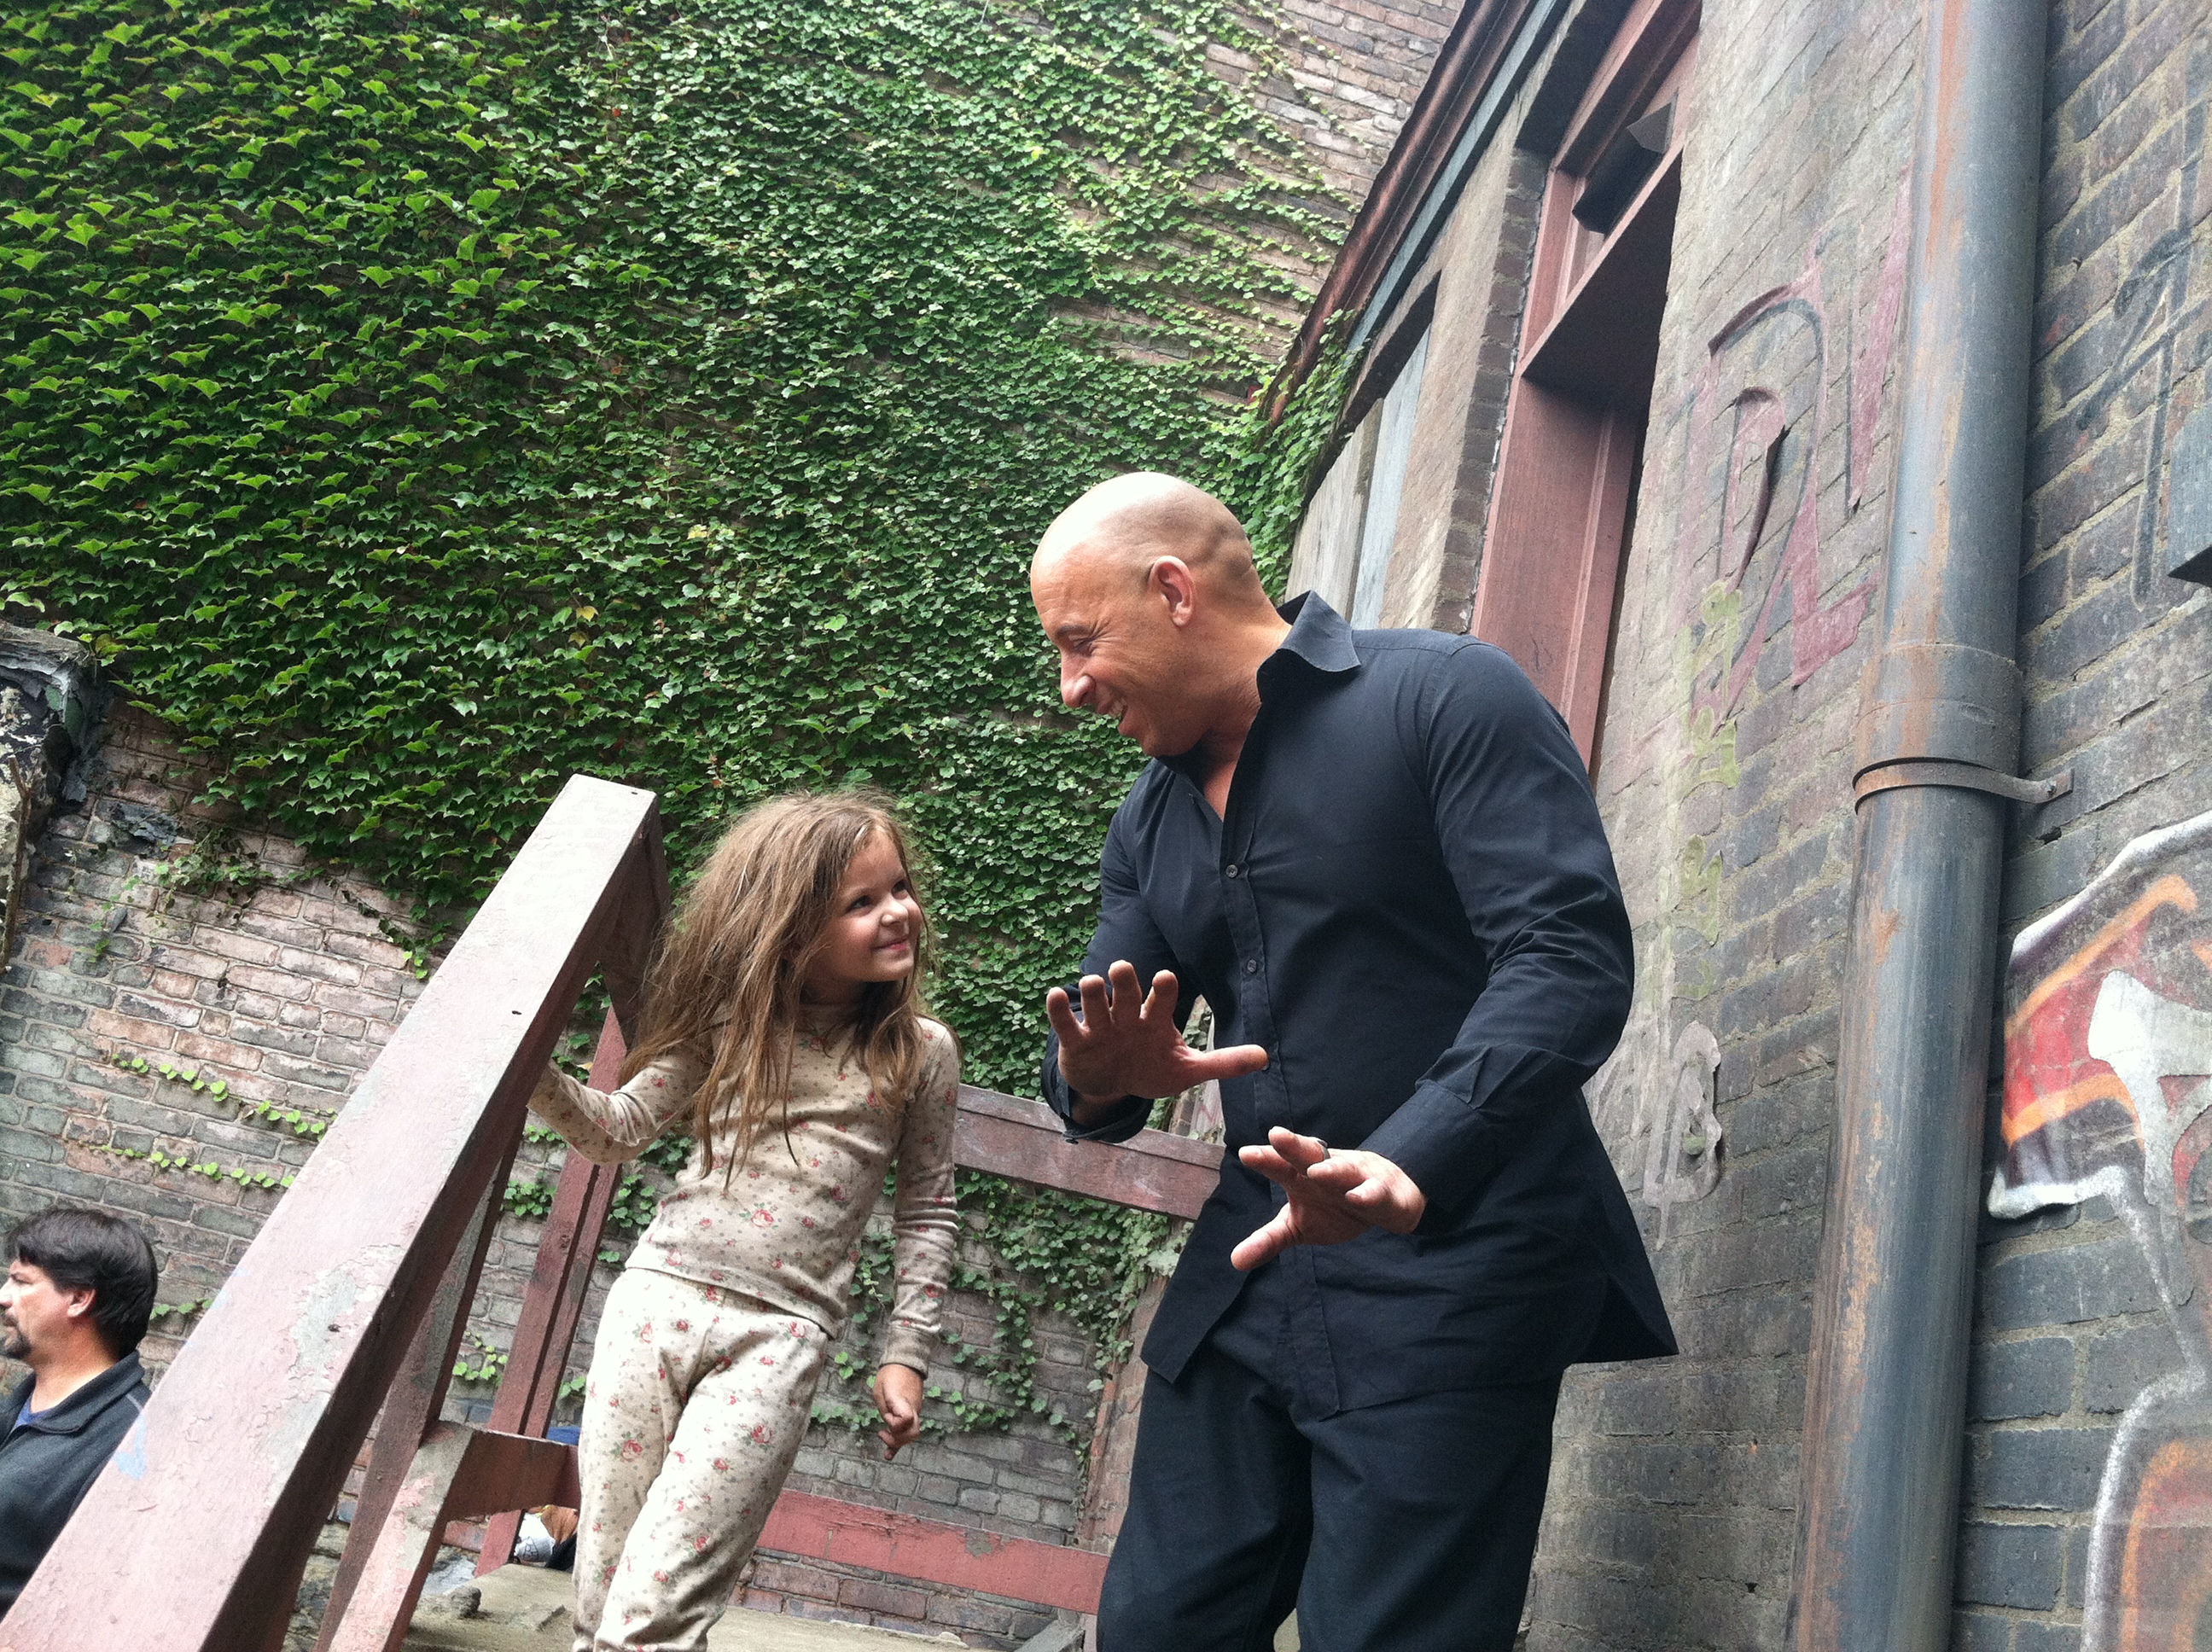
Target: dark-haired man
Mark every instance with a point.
(74, 1307)
(1376, 854)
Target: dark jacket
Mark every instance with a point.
(1411, 905)
(46, 1469)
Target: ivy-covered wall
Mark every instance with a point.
(415, 404)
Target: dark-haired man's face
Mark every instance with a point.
(34, 1312)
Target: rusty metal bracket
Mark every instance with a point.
(1972, 776)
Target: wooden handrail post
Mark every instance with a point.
(220, 1490)
(414, 1405)
(554, 1300)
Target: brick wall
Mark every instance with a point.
(1725, 766)
(1358, 64)
(2071, 1327)
(280, 993)
(1725, 775)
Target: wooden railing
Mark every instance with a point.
(347, 1309)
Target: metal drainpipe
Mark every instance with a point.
(1939, 740)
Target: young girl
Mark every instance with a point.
(783, 1018)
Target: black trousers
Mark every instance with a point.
(1408, 1527)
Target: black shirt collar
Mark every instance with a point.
(83, 1405)
(1320, 640)
(1319, 636)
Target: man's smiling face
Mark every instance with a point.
(1120, 654)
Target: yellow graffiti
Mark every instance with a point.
(1700, 900)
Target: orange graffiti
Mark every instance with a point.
(2048, 1109)
(2049, 1075)
(2172, 891)
(2166, 1573)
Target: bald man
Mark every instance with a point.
(1377, 855)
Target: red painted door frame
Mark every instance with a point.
(1575, 417)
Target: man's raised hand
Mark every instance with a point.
(1126, 1043)
(1334, 1196)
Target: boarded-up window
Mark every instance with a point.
(1346, 542)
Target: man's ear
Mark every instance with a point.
(1174, 583)
(80, 1300)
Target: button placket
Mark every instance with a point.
(1240, 904)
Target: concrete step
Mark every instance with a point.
(525, 1609)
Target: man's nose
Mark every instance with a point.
(1074, 688)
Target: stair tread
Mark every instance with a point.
(525, 1609)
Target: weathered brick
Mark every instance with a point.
(2011, 1565)
(2068, 1286)
(269, 981)
(2120, 1365)
(2041, 1635)
(2034, 1378)
(889, 1600)
(2053, 1468)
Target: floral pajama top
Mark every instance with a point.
(786, 1228)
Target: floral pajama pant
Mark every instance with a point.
(697, 1400)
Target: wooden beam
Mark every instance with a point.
(1023, 1140)
(568, 1246)
(397, 1551)
(411, 1409)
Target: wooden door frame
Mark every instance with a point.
(1572, 448)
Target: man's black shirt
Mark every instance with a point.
(1411, 905)
(47, 1466)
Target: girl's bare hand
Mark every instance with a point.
(897, 1390)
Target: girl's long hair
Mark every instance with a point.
(727, 973)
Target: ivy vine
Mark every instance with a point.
(416, 403)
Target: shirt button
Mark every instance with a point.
(1232, 869)
(1251, 966)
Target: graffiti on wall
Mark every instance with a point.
(1789, 378)
(2108, 1092)
(1667, 1103)
(1758, 422)
(2150, 362)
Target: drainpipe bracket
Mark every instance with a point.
(1942, 702)
(1971, 776)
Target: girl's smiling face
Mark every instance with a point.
(871, 930)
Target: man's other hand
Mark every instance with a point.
(1127, 1043)
(1334, 1196)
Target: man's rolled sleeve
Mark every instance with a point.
(1528, 854)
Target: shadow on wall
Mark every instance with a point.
(2108, 1046)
